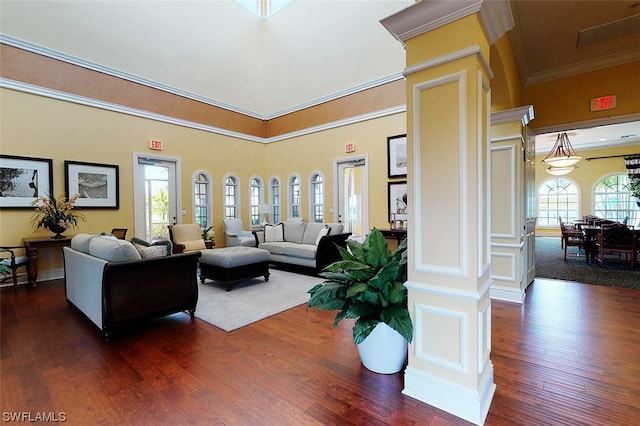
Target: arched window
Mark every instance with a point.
(202, 199)
(294, 197)
(256, 191)
(557, 197)
(612, 198)
(274, 199)
(317, 198)
(231, 197)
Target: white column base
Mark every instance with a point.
(507, 294)
(468, 404)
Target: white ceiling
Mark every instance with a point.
(310, 51)
(218, 50)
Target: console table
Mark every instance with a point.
(394, 234)
(35, 243)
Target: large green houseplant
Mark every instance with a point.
(368, 285)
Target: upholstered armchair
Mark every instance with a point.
(186, 237)
(235, 235)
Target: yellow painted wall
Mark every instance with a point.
(36, 126)
(586, 176)
(506, 85)
(567, 100)
(317, 152)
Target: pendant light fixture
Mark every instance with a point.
(560, 171)
(562, 158)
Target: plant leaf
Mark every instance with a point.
(362, 328)
(397, 317)
(377, 249)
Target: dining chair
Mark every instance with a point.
(617, 238)
(10, 263)
(572, 237)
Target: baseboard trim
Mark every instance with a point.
(468, 404)
(507, 294)
(51, 274)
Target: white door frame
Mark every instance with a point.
(364, 202)
(138, 188)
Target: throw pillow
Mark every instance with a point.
(155, 249)
(324, 231)
(273, 233)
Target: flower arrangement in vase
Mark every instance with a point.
(57, 214)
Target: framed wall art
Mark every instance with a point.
(23, 179)
(397, 156)
(397, 201)
(97, 184)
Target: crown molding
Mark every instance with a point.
(95, 103)
(73, 60)
(583, 67)
(524, 114)
(427, 15)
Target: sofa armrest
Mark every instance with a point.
(328, 249)
(149, 288)
(231, 234)
(178, 248)
(83, 283)
(259, 236)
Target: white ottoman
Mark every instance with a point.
(233, 264)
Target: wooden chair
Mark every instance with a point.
(119, 233)
(617, 238)
(11, 263)
(572, 237)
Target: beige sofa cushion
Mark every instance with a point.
(193, 245)
(186, 232)
(80, 242)
(294, 231)
(112, 249)
(335, 228)
(311, 232)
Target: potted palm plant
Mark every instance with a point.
(368, 285)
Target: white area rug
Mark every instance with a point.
(252, 300)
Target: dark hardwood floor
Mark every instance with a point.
(569, 356)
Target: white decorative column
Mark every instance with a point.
(509, 214)
(448, 127)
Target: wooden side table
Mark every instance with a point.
(35, 243)
(394, 234)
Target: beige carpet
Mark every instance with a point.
(252, 300)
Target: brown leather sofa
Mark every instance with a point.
(124, 290)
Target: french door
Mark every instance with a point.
(352, 199)
(156, 195)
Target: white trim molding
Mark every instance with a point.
(427, 15)
(95, 103)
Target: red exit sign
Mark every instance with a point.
(155, 144)
(349, 147)
(603, 102)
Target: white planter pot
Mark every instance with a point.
(384, 350)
